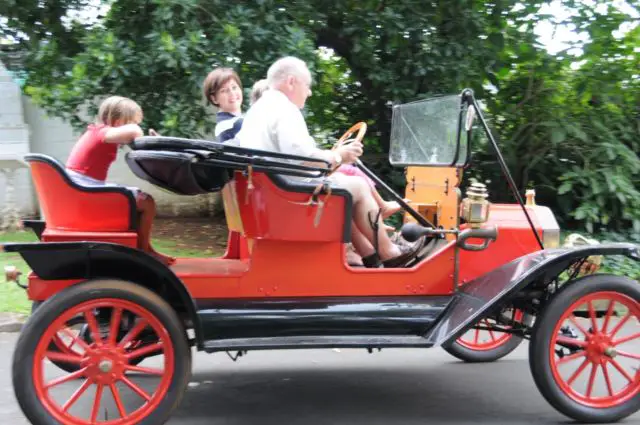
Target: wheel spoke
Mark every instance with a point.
(607, 317)
(60, 342)
(96, 404)
(573, 320)
(116, 316)
(626, 339)
(564, 340)
(573, 356)
(116, 398)
(592, 315)
(607, 379)
(67, 378)
(147, 370)
(620, 325)
(145, 350)
(93, 327)
(629, 355)
(75, 338)
(136, 388)
(76, 395)
(133, 333)
(476, 337)
(592, 379)
(493, 337)
(73, 342)
(62, 357)
(577, 373)
(621, 370)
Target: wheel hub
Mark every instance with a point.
(599, 348)
(105, 366)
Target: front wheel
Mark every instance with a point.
(107, 386)
(485, 345)
(585, 349)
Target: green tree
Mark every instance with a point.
(569, 124)
(159, 51)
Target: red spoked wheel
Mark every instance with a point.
(70, 340)
(107, 387)
(77, 329)
(585, 349)
(486, 345)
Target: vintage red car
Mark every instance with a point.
(101, 306)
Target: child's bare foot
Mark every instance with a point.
(353, 259)
(391, 207)
(165, 259)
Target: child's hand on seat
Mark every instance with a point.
(152, 132)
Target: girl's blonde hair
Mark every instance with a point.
(258, 88)
(118, 108)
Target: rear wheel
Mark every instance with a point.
(107, 386)
(485, 345)
(585, 349)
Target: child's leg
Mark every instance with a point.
(353, 258)
(388, 208)
(363, 248)
(147, 209)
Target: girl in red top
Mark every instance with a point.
(117, 124)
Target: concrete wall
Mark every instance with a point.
(39, 133)
(14, 142)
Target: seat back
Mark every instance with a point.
(275, 207)
(71, 206)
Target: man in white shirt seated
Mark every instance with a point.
(275, 123)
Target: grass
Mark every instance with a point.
(14, 299)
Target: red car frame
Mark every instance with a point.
(101, 306)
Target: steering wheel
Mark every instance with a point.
(360, 127)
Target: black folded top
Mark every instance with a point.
(192, 167)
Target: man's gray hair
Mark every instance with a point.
(284, 67)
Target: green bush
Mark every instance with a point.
(619, 264)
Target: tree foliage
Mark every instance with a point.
(572, 133)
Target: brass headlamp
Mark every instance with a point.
(475, 207)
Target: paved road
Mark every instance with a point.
(345, 387)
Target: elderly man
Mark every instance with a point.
(275, 123)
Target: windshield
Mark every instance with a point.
(425, 133)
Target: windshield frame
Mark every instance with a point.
(456, 161)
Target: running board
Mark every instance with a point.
(303, 342)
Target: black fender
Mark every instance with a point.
(37, 226)
(91, 260)
(501, 285)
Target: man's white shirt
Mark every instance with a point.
(274, 123)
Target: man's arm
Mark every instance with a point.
(293, 137)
